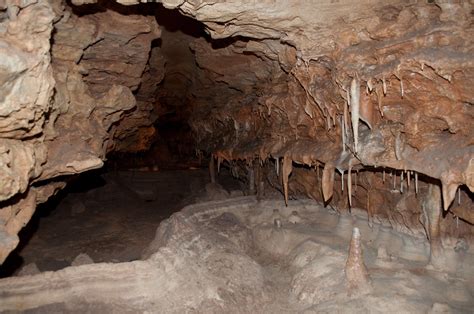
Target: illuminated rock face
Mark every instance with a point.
(299, 83)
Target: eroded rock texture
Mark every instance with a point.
(366, 105)
(63, 105)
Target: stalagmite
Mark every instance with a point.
(328, 181)
(383, 176)
(355, 107)
(277, 223)
(349, 185)
(384, 85)
(357, 276)
(394, 181)
(287, 167)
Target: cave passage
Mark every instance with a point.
(236, 156)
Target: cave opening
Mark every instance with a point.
(236, 156)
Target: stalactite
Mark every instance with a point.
(259, 180)
(251, 177)
(219, 161)
(356, 176)
(349, 186)
(343, 131)
(398, 144)
(379, 100)
(355, 107)
(384, 85)
(277, 166)
(328, 181)
(394, 181)
(448, 189)
(401, 182)
(348, 97)
(212, 171)
(383, 176)
(459, 196)
(408, 181)
(345, 114)
(370, 86)
(342, 180)
(433, 207)
(287, 167)
(416, 182)
(402, 92)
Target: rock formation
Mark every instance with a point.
(376, 91)
(356, 272)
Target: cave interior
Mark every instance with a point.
(237, 156)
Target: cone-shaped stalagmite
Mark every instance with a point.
(357, 277)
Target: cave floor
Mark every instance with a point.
(230, 256)
(111, 217)
(220, 252)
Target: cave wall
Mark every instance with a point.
(378, 92)
(69, 96)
